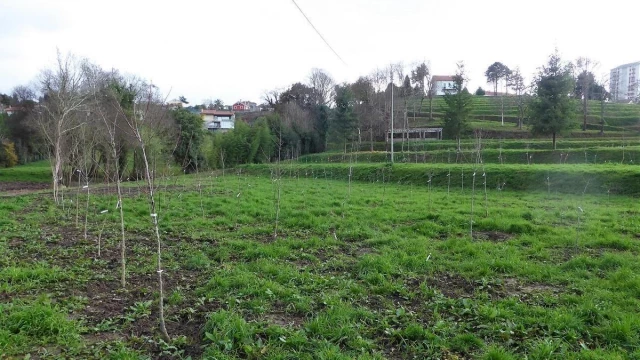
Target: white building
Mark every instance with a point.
(624, 82)
(443, 84)
(218, 120)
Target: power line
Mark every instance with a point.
(317, 32)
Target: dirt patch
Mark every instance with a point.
(284, 319)
(108, 305)
(495, 236)
(452, 285)
(16, 188)
(513, 287)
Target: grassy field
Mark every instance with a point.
(375, 269)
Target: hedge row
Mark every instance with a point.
(568, 179)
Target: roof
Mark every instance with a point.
(626, 65)
(217, 112)
(442, 78)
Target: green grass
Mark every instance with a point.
(372, 271)
(39, 171)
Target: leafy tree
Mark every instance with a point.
(459, 104)
(518, 85)
(218, 104)
(496, 72)
(552, 109)
(262, 142)
(480, 91)
(5, 99)
(190, 138)
(419, 77)
(300, 94)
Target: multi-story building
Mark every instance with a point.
(218, 120)
(623, 82)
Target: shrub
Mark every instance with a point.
(8, 156)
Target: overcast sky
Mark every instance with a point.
(236, 49)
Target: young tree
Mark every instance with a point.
(496, 72)
(459, 104)
(420, 76)
(112, 101)
(585, 83)
(518, 85)
(601, 94)
(552, 109)
(366, 108)
(148, 113)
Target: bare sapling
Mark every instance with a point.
(147, 114)
(86, 145)
(278, 185)
(200, 187)
(548, 185)
(462, 181)
(578, 229)
(79, 172)
(238, 195)
(473, 195)
(585, 187)
(448, 182)
(429, 189)
(104, 222)
(107, 105)
(86, 210)
(486, 200)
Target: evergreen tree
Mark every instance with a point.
(191, 134)
(552, 109)
(459, 104)
(344, 123)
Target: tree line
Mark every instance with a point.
(57, 114)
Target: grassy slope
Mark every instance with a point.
(401, 278)
(35, 172)
(486, 115)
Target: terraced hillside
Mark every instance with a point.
(486, 114)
